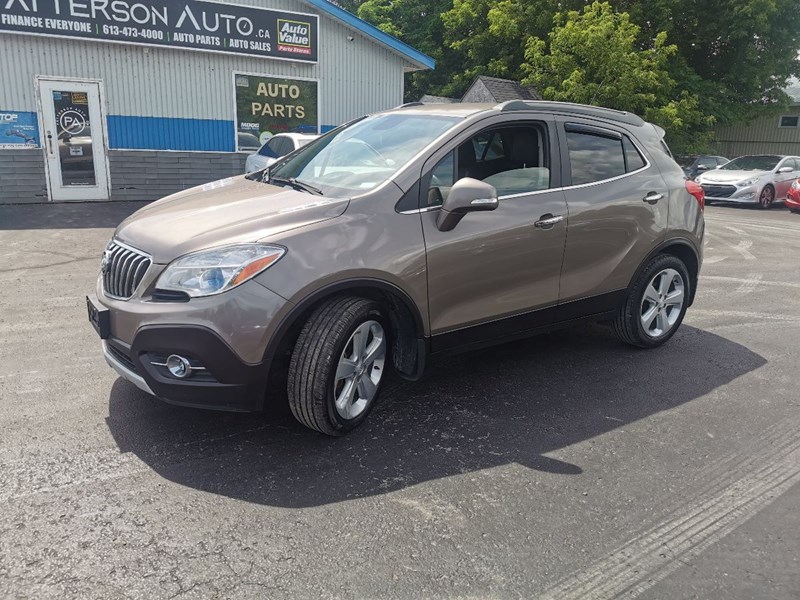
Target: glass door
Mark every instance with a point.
(74, 144)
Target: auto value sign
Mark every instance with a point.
(188, 24)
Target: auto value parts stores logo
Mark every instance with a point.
(294, 36)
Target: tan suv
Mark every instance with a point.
(402, 235)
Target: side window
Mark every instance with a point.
(513, 159)
(594, 157)
(634, 160)
(442, 179)
(285, 146)
(488, 146)
(272, 148)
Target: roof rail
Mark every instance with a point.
(571, 108)
(407, 104)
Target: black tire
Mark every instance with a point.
(767, 197)
(316, 354)
(628, 325)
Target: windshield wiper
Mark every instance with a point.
(296, 184)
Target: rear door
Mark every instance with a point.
(618, 208)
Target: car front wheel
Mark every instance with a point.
(656, 303)
(338, 365)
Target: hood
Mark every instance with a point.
(724, 176)
(229, 211)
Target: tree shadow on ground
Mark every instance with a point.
(508, 404)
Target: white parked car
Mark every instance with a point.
(757, 179)
(278, 145)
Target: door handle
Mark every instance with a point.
(547, 221)
(653, 197)
(50, 143)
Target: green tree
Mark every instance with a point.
(488, 37)
(419, 24)
(596, 56)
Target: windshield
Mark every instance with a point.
(359, 157)
(752, 163)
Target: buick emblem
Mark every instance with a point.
(105, 264)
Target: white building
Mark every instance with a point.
(133, 101)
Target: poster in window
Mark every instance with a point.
(269, 105)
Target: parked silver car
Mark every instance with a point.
(277, 146)
(756, 179)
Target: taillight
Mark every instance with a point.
(695, 190)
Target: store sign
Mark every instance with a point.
(269, 105)
(189, 24)
(18, 130)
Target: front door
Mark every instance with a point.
(496, 273)
(74, 144)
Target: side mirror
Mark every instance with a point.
(701, 168)
(467, 195)
(785, 170)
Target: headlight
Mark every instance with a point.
(796, 184)
(213, 271)
(748, 182)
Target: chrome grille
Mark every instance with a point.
(123, 269)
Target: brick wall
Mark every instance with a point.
(135, 175)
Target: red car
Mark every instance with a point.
(793, 197)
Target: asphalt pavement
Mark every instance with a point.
(565, 466)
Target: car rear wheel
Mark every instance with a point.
(767, 197)
(656, 303)
(338, 365)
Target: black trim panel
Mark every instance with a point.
(239, 386)
(499, 330)
(523, 325)
(340, 286)
(663, 246)
(586, 307)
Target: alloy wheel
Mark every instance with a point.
(360, 370)
(662, 303)
(767, 196)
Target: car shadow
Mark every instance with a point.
(510, 404)
(66, 215)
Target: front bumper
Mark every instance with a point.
(792, 201)
(731, 193)
(225, 335)
(226, 382)
(125, 371)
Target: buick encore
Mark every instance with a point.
(402, 235)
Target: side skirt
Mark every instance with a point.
(596, 308)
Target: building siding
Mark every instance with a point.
(150, 175)
(182, 101)
(762, 136)
(152, 82)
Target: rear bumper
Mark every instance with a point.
(226, 383)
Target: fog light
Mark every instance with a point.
(178, 366)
